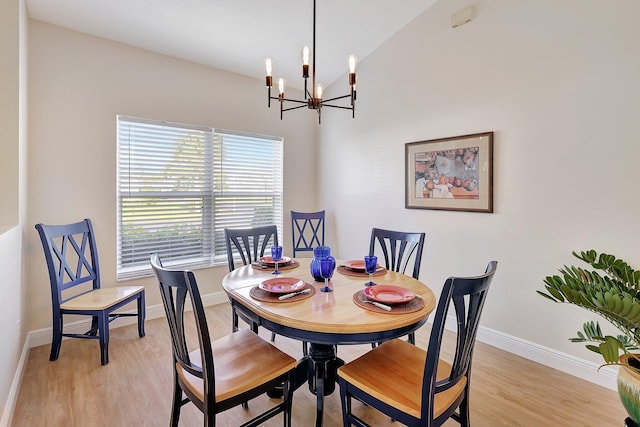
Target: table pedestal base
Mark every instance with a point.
(321, 373)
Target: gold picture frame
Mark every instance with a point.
(454, 173)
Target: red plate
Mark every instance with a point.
(267, 260)
(358, 265)
(389, 294)
(282, 285)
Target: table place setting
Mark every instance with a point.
(388, 299)
(266, 263)
(282, 289)
(356, 268)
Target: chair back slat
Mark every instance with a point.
(398, 249)
(71, 255)
(175, 286)
(307, 230)
(467, 296)
(249, 243)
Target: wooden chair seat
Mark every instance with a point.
(243, 361)
(101, 299)
(400, 359)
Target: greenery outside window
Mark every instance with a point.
(180, 186)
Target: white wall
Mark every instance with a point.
(10, 317)
(13, 141)
(9, 88)
(557, 81)
(78, 84)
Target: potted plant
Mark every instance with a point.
(611, 290)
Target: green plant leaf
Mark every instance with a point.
(611, 289)
(556, 293)
(609, 349)
(593, 348)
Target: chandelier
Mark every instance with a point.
(312, 100)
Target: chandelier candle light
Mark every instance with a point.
(312, 100)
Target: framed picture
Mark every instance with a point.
(453, 173)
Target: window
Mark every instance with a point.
(180, 186)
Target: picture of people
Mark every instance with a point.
(447, 174)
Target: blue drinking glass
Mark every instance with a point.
(276, 255)
(370, 266)
(327, 265)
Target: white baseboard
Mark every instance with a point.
(586, 370)
(7, 413)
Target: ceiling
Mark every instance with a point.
(237, 35)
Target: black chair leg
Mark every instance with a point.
(141, 315)
(288, 395)
(234, 320)
(463, 410)
(177, 402)
(56, 340)
(94, 326)
(103, 331)
(346, 404)
(412, 338)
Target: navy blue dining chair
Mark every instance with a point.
(249, 244)
(416, 387)
(72, 261)
(218, 375)
(398, 249)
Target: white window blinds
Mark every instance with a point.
(247, 183)
(179, 186)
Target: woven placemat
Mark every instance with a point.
(265, 296)
(405, 307)
(349, 272)
(263, 267)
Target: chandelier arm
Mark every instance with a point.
(337, 106)
(337, 97)
(290, 100)
(293, 108)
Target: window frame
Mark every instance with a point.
(228, 168)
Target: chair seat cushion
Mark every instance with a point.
(242, 361)
(102, 298)
(392, 373)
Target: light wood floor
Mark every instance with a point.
(134, 389)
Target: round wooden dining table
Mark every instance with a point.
(326, 319)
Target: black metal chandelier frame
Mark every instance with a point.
(312, 99)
